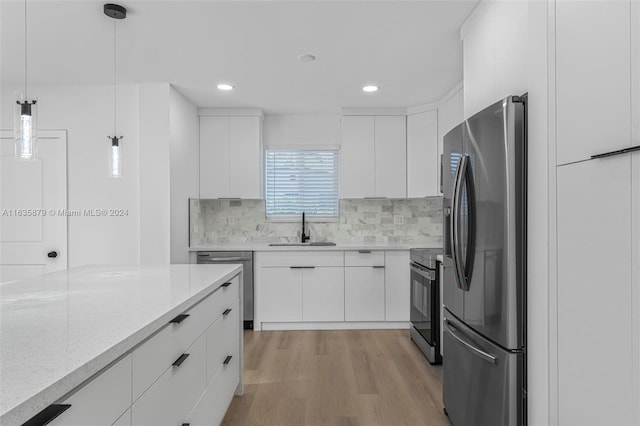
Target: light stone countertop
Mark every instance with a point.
(58, 330)
(338, 246)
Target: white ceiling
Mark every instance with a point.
(411, 49)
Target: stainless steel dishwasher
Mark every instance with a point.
(246, 259)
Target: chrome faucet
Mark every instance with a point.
(304, 237)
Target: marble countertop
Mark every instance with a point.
(58, 330)
(338, 246)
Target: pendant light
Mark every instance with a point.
(25, 128)
(116, 12)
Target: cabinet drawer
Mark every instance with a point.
(102, 400)
(297, 258)
(229, 293)
(364, 258)
(223, 339)
(155, 356)
(215, 401)
(170, 399)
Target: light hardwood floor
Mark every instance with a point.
(342, 378)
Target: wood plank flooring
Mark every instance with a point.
(341, 378)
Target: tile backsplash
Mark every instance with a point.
(418, 220)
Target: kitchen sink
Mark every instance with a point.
(316, 243)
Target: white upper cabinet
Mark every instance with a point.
(230, 156)
(358, 157)
(214, 157)
(495, 52)
(374, 156)
(391, 156)
(593, 65)
(423, 162)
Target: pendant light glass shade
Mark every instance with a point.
(115, 157)
(25, 129)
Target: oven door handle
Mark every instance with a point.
(423, 272)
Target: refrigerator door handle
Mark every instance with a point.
(463, 268)
(480, 353)
(471, 227)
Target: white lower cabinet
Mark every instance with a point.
(101, 401)
(171, 398)
(331, 288)
(187, 372)
(213, 403)
(222, 340)
(396, 285)
(364, 293)
(281, 296)
(323, 294)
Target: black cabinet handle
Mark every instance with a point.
(364, 251)
(226, 284)
(179, 319)
(617, 152)
(52, 254)
(378, 266)
(178, 362)
(227, 360)
(302, 267)
(47, 415)
(186, 424)
(226, 312)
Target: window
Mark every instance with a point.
(301, 181)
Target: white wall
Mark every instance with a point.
(154, 173)
(301, 130)
(495, 53)
(184, 167)
(86, 112)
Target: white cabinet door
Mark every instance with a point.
(101, 401)
(592, 78)
(510, 59)
(363, 293)
(391, 156)
(397, 285)
(281, 294)
(478, 76)
(595, 292)
(214, 157)
(323, 294)
(358, 157)
(244, 157)
(423, 161)
(172, 397)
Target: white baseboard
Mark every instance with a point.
(374, 325)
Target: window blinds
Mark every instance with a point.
(301, 181)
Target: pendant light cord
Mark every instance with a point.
(25, 50)
(115, 82)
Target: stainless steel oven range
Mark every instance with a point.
(425, 302)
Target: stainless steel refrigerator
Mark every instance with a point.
(484, 189)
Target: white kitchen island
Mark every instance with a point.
(102, 328)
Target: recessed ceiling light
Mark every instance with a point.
(225, 86)
(306, 58)
(370, 89)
